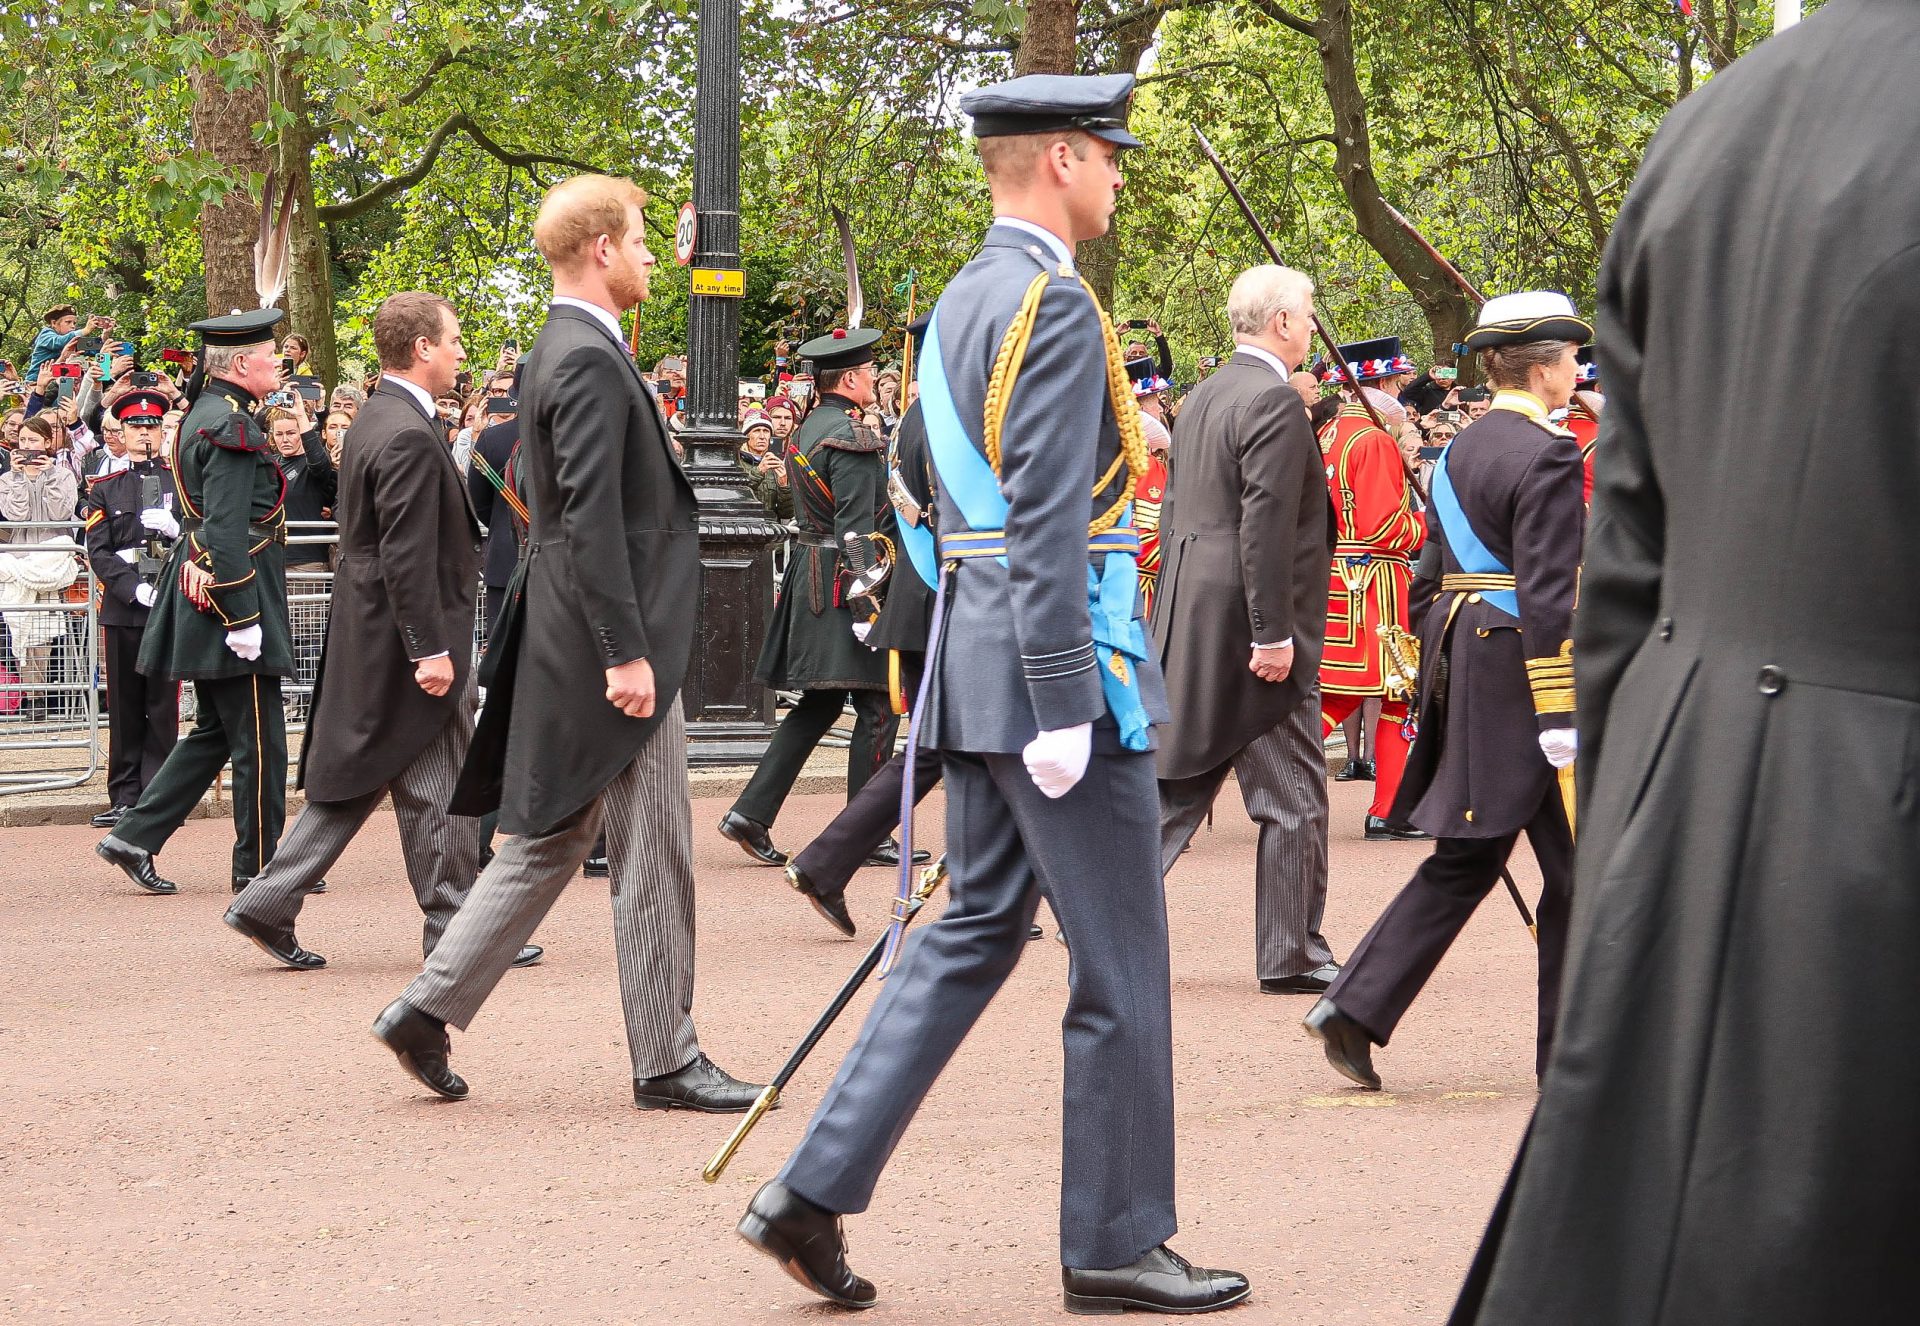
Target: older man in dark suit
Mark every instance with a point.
(583, 723)
(393, 708)
(1240, 617)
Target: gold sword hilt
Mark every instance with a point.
(718, 1165)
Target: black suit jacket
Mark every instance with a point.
(404, 590)
(1246, 538)
(612, 574)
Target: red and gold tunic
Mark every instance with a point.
(1148, 494)
(1376, 533)
(1583, 421)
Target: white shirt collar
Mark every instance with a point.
(1266, 357)
(600, 315)
(418, 392)
(1057, 246)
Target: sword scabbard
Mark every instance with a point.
(718, 1165)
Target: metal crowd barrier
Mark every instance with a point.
(51, 734)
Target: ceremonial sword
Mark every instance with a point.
(929, 881)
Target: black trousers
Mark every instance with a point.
(1393, 962)
(874, 726)
(143, 718)
(871, 814)
(241, 720)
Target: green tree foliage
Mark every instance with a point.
(425, 134)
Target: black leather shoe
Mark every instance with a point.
(831, 906)
(135, 862)
(752, 838)
(1349, 1047)
(530, 956)
(596, 867)
(807, 1241)
(422, 1046)
(702, 1085)
(1385, 830)
(1364, 771)
(1310, 982)
(276, 941)
(888, 854)
(1035, 932)
(1161, 1281)
(109, 817)
(1349, 772)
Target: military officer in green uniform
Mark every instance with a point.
(816, 638)
(220, 620)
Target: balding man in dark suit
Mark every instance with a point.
(1240, 618)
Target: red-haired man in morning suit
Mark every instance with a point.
(1377, 532)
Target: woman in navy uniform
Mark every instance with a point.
(1493, 603)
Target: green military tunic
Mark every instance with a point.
(837, 473)
(231, 492)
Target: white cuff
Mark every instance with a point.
(1281, 644)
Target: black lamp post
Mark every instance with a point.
(729, 715)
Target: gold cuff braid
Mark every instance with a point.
(1551, 680)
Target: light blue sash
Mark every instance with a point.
(1120, 645)
(1473, 555)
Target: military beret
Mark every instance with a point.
(1038, 103)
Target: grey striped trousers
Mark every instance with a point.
(648, 813)
(441, 851)
(1283, 781)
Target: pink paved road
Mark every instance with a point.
(191, 1135)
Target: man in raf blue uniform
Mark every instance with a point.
(1040, 695)
(220, 620)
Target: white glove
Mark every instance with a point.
(143, 595)
(245, 642)
(1057, 760)
(1559, 745)
(861, 630)
(161, 521)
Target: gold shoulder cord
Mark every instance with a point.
(1006, 371)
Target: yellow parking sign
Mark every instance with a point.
(727, 282)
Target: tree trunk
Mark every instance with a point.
(1047, 42)
(1099, 260)
(310, 269)
(223, 128)
(1448, 310)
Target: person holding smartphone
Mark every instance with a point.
(1162, 352)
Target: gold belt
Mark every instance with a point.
(1467, 582)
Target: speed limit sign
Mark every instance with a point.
(684, 234)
